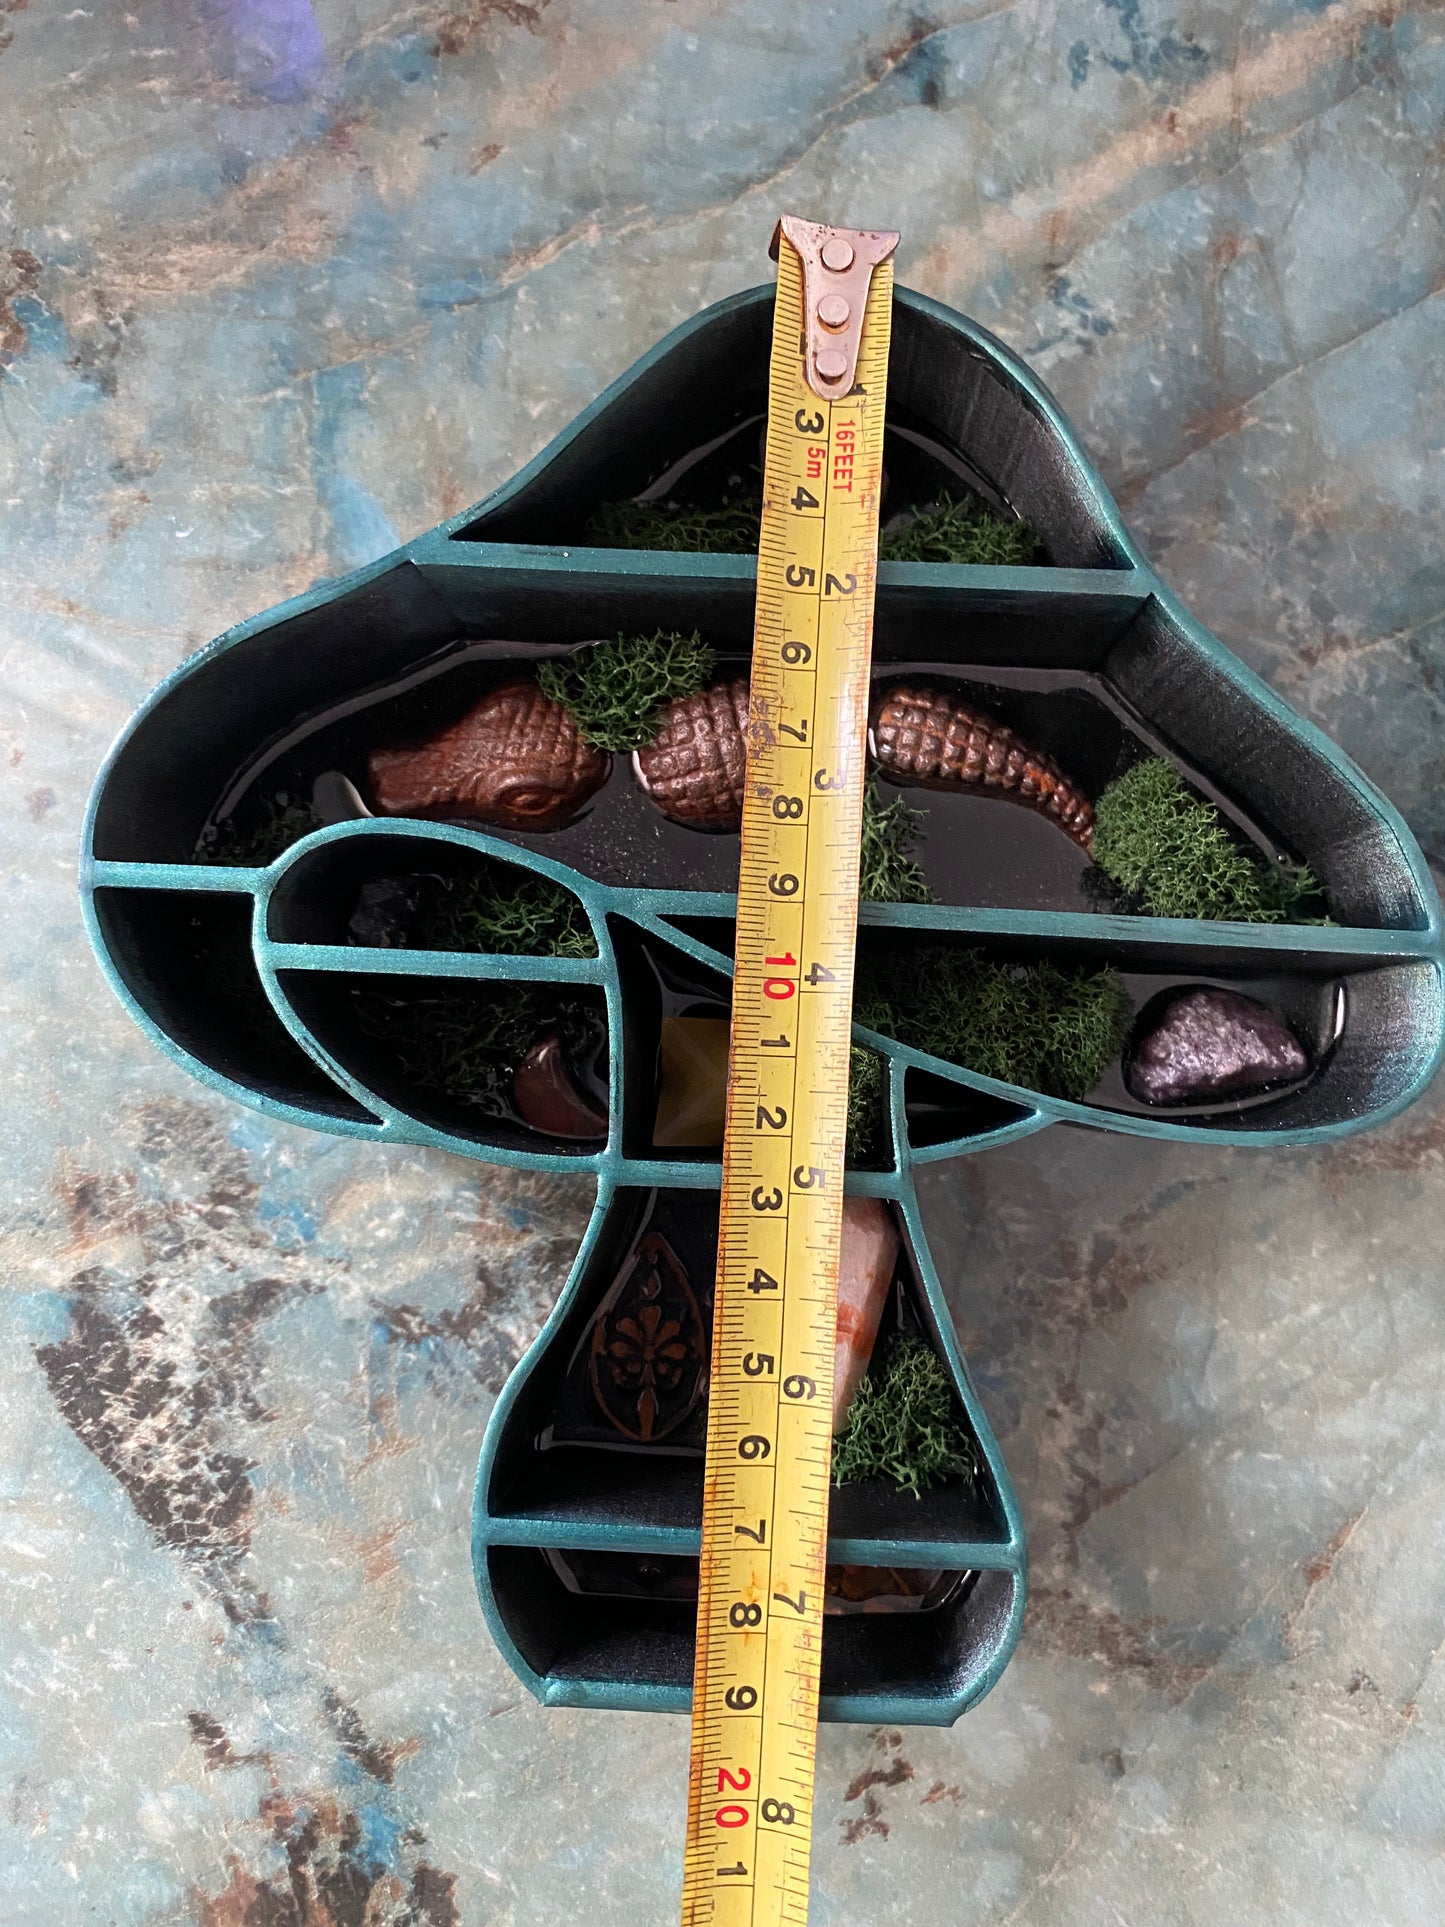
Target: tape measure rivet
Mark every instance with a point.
(833, 311)
(831, 363)
(837, 255)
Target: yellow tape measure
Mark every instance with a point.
(765, 1502)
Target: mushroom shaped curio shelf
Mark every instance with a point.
(306, 900)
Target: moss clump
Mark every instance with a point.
(269, 825)
(507, 911)
(947, 531)
(1036, 1025)
(886, 871)
(903, 1425)
(464, 1043)
(1170, 852)
(730, 529)
(961, 532)
(616, 691)
(867, 1104)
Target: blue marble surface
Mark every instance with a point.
(283, 284)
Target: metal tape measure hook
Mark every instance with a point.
(838, 264)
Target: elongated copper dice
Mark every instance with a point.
(933, 740)
(693, 770)
(516, 759)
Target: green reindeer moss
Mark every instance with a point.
(616, 691)
(512, 912)
(268, 825)
(950, 531)
(1046, 1028)
(1170, 851)
(945, 531)
(886, 871)
(903, 1425)
(731, 529)
(867, 1104)
(465, 1042)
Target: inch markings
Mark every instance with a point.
(765, 1502)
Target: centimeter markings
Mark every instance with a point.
(765, 1504)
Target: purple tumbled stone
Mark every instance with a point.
(1209, 1044)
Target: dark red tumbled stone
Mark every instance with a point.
(1211, 1044)
(546, 1097)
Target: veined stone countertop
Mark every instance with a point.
(281, 286)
